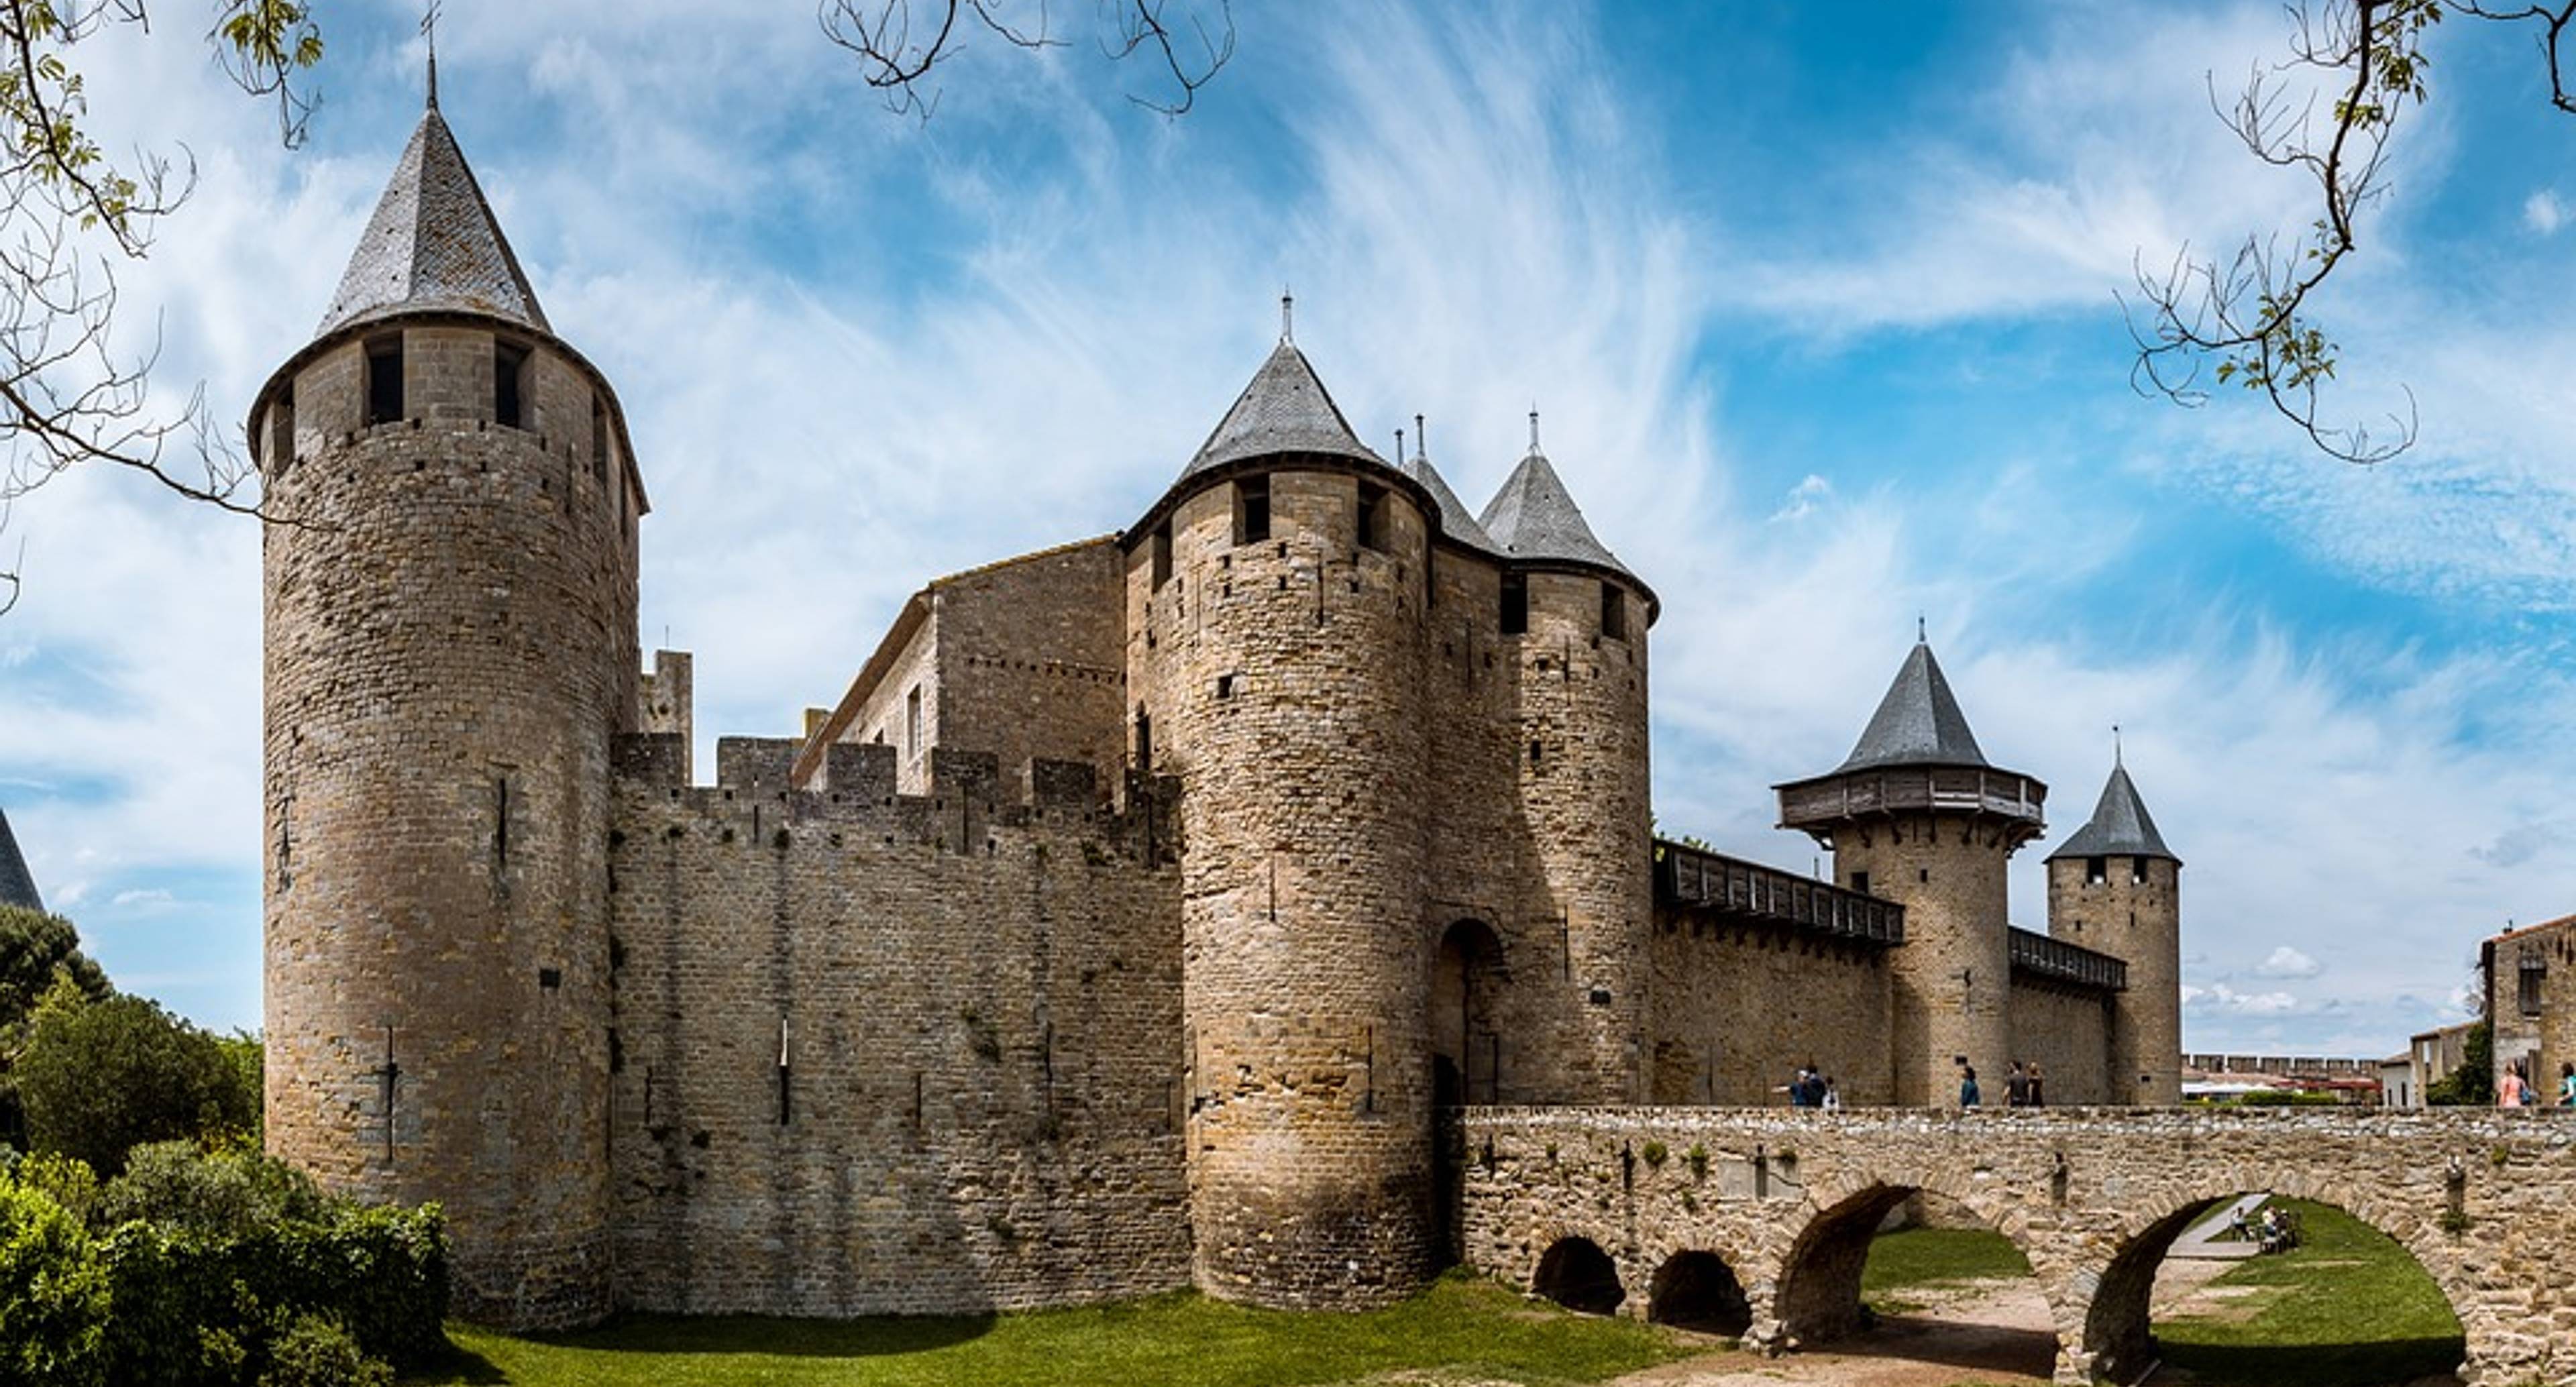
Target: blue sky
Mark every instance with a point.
(1819, 307)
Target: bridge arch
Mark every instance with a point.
(1696, 1289)
(1818, 1297)
(2118, 1342)
(1576, 1273)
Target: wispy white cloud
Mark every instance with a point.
(2288, 962)
(2544, 212)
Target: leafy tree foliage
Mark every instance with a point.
(100, 1077)
(54, 1298)
(2473, 1083)
(34, 947)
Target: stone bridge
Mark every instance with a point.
(1758, 1220)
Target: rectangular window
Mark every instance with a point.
(1860, 882)
(385, 379)
(1252, 510)
(598, 439)
(912, 723)
(1614, 612)
(2096, 870)
(509, 385)
(1161, 544)
(2138, 870)
(1372, 517)
(281, 431)
(1515, 604)
(1144, 739)
(2533, 972)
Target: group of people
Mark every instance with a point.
(2275, 1229)
(2515, 1089)
(2025, 1087)
(1812, 1089)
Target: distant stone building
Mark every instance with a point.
(1128, 922)
(2530, 977)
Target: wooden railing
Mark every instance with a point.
(1688, 876)
(1904, 788)
(2055, 958)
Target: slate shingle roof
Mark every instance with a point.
(1918, 723)
(2120, 827)
(1284, 410)
(17, 884)
(1456, 521)
(1534, 517)
(433, 245)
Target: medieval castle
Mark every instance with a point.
(1125, 926)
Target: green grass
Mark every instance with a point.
(1463, 1329)
(2348, 1307)
(1914, 1257)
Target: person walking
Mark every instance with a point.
(2038, 1098)
(1833, 1099)
(2567, 1084)
(1968, 1095)
(2017, 1087)
(2509, 1089)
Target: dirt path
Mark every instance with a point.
(1986, 1332)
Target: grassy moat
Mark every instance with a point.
(1464, 1329)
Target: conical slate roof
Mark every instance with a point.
(1534, 517)
(1284, 410)
(17, 884)
(2121, 826)
(1918, 723)
(433, 245)
(1456, 521)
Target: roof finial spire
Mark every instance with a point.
(1421, 439)
(1533, 426)
(1287, 316)
(1399, 445)
(429, 31)
(2115, 744)
(1919, 637)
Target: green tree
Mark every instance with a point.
(98, 1077)
(54, 1296)
(34, 946)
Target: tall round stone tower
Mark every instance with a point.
(450, 645)
(2117, 888)
(1917, 815)
(1575, 619)
(1275, 600)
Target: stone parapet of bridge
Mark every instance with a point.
(1788, 1200)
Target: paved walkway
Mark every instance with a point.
(2205, 1241)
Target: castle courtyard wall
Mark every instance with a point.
(2066, 1030)
(978, 1006)
(1819, 1002)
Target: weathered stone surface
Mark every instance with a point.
(2092, 1196)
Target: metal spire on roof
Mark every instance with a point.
(1919, 637)
(1421, 439)
(1533, 426)
(2115, 745)
(429, 31)
(1287, 316)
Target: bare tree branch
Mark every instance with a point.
(2246, 318)
(899, 52)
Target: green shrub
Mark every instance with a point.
(227, 1192)
(1656, 1154)
(54, 1295)
(316, 1352)
(99, 1077)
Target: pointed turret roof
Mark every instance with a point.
(17, 884)
(2120, 827)
(433, 244)
(1284, 410)
(1534, 517)
(1918, 723)
(1456, 521)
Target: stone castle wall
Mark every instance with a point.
(1820, 1003)
(2067, 1031)
(450, 645)
(978, 1004)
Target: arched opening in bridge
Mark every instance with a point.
(1698, 1291)
(2253, 1288)
(1466, 1045)
(1577, 1274)
(1899, 1272)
